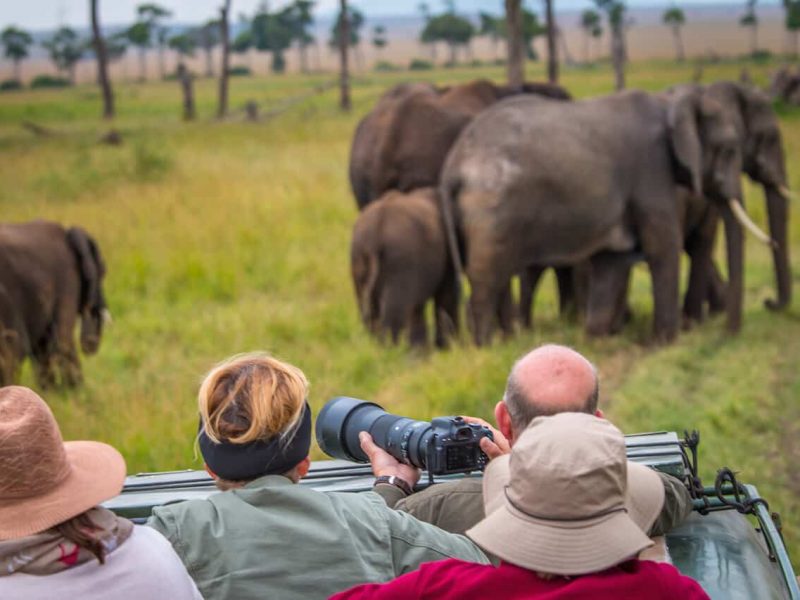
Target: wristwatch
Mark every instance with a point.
(396, 482)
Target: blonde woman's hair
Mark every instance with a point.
(252, 397)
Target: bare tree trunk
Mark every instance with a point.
(552, 52)
(18, 70)
(142, 64)
(516, 50)
(344, 69)
(187, 87)
(209, 62)
(102, 63)
(222, 108)
(303, 52)
(679, 55)
(618, 57)
(453, 57)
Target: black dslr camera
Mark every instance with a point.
(443, 446)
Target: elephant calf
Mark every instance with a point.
(399, 260)
(49, 277)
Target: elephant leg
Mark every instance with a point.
(567, 299)
(418, 329)
(608, 287)
(662, 253)
(528, 282)
(505, 311)
(717, 290)
(699, 246)
(482, 309)
(394, 315)
(446, 312)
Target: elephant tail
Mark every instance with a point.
(448, 192)
(365, 274)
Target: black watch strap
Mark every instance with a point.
(396, 482)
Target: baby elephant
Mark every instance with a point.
(399, 260)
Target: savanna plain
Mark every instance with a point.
(225, 237)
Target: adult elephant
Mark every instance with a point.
(399, 262)
(763, 160)
(51, 276)
(537, 182)
(403, 142)
(369, 135)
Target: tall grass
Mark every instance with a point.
(233, 236)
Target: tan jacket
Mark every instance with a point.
(456, 506)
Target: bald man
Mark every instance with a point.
(548, 380)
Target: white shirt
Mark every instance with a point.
(144, 566)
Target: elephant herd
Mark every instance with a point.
(494, 183)
(49, 278)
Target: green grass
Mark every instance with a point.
(228, 237)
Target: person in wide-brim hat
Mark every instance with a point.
(52, 527)
(558, 518)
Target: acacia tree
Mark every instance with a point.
(792, 22)
(592, 28)
(300, 19)
(139, 35)
(342, 28)
(750, 19)
(379, 39)
(615, 11)
(515, 65)
(675, 19)
(65, 49)
(207, 38)
(273, 33)
(153, 15)
(354, 23)
(100, 53)
(243, 42)
(15, 47)
(451, 29)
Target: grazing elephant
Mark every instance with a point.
(536, 182)
(50, 276)
(403, 142)
(399, 261)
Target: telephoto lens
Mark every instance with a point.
(447, 445)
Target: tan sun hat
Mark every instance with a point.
(566, 500)
(44, 480)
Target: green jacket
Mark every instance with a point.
(275, 539)
(458, 505)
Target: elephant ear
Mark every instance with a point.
(684, 137)
(90, 265)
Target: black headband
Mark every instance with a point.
(275, 456)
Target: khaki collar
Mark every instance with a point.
(269, 481)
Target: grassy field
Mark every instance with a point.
(228, 237)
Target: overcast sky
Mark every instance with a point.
(47, 14)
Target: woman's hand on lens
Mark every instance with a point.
(491, 448)
(384, 464)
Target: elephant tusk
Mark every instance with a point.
(744, 219)
(106, 316)
(787, 193)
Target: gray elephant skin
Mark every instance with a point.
(763, 160)
(49, 277)
(403, 142)
(607, 189)
(399, 261)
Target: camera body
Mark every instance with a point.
(444, 446)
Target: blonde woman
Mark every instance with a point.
(266, 537)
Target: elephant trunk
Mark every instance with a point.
(734, 238)
(778, 212)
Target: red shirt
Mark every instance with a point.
(459, 580)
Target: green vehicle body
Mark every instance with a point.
(731, 544)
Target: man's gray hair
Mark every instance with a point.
(522, 409)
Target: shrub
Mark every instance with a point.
(49, 81)
(386, 66)
(239, 71)
(761, 56)
(476, 62)
(419, 64)
(10, 84)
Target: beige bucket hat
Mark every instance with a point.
(566, 500)
(44, 480)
